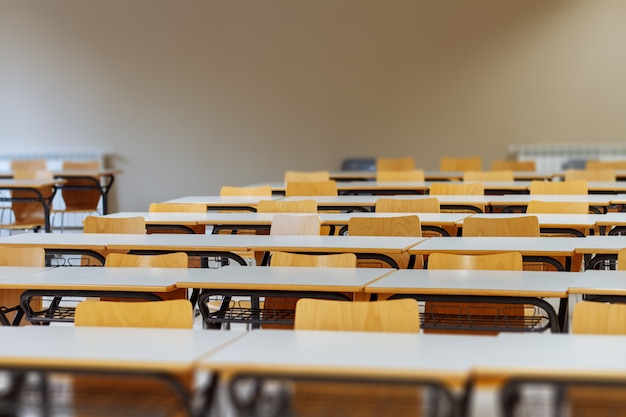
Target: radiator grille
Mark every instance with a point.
(554, 157)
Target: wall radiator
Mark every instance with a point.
(555, 157)
(54, 160)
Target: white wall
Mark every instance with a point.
(191, 95)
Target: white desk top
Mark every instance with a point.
(210, 218)
(553, 355)
(601, 244)
(93, 241)
(550, 220)
(524, 199)
(564, 246)
(370, 200)
(69, 347)
(285, 278)
(217, 201)
(475, 282)
(442, 357)
(439, 219)
(355, 244)
(18, 272)
(5, 183)
(599, 282)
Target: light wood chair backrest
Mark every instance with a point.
(590, 174)
(620, 165)
(306, 176)
(177, 208)
(29, 164)
(33, 174)
(470, 163)
(599, 318)
(395, 164)
(311, 188)
(128, 225)
(165, 260)
(261, 191)
(504, 175)
(537, 207)
(175, 314)
(508, 261)
(468, 188)
(387, 226)
(405, 175)
(559, 187)
(85, 199)
(513, 165)
(339, 260)
(398, 316)
(621, 256)
(406, 205)
(279, 206)
(295, 224)
(30, 214)
(22, 256)
(523, 226)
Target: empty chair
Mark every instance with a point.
(84, 200)
(523, 226)
(10, 299)
(591, 317)
(395, 164)
(590, 174)
(444, 188)
(389, 226)
(280, 206)
(405, 175)
(407, 205)
(618, 165)
(260, 191)
(128, 225)
(537, 207)
(470, 163)
(504, 175)
(166, 260)
(311, 188)
(177, 208)
(175, 314)
(498, 165)
(306, 176)
(559, 187)
(29, 165)
(29, 215)
(295, 224)
(337, 260)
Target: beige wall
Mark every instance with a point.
(190, 95)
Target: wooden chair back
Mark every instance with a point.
(406, 205)
(537, 207)
(30, 214)
(261, 191)
(619, 165)
(499, 165)
(165, 260)
(22, 256)
(175, 314)
(590, 174)
(523, 226)
(468, 188)
(128, 225)
(470, 163)
(80, 200)
(508, 261)
(279, 206)
(389, 226)
(29, 164)
(295, 224)
(177, 208)
(338, 260)
(311, 188)
(405, 175)
(621, 256)
(395, 164)
(559, 187)
(591, 317)
(502, 175)
(398, 316)
(306, 176)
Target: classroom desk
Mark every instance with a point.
(533, 249)
(600, 285)
(598, 250)
(361, 187)
(518, 202)
(130, 354)
(439, 362)
(314, 282)
(229, 203)
(569, 224)
(429, 221)
(545, 365)
(440, 175)
(35, 188)
(476, 286)
(9, 299)
(90, 244)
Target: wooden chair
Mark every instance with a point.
(621, 255)
(166, 260)
(29, 215)
(177, 208)
(128, 225)
(523, 226)
(311, 188)
(590, 175)
(83, 201)
(470, 163)
(499, 165)
(397, 316)
(444, 188)
(537, 207)
(503, 175)
(10, 299)
(395, 164)
(617, 165)
(406, 175)
(558, 187)
(591, 317)
(29, 165)
(261, 191)
(306, 176)
(279, 206)
(482, 313)
(406, 205)
(174, 314)
(390, 226)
